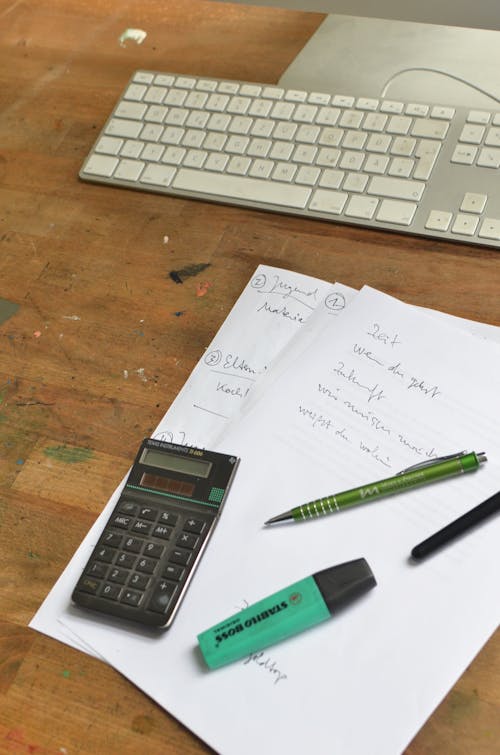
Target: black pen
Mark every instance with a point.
(457, 527)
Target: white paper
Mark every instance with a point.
(391, 387)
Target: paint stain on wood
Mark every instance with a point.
(202, 288)
(7, 309)
(68, 454)
(178, 276)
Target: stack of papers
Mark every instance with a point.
(320, 388)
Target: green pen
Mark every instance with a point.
(419, 474)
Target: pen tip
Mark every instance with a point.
(280, 518)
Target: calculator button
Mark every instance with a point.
(131, 597)
(154, 550)
(89, 585)
(168, 518)
(173, 572)
(139, 581)
(127, 507)
(143, 527)
(105, 554)
(163, 594)
(161, 531)
(187, 541)
(180, 556)
(118, 575)
(127, 560)
(146, 565)
(194, 525)
(122, 521)
(111, 592)
(146, 512)
(112, 539)
(97, 569)
(133, 544)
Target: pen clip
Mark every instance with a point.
(431, 462)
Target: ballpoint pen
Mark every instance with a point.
(458, 527)
(419, 474)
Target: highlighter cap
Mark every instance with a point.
(342, 583)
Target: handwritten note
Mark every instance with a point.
(390, 387)
(268, 314)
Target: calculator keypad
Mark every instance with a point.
(143, 561)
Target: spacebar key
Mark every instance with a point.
(230, 187)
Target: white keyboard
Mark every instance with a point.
(410, 167)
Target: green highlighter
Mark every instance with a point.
(285, 613)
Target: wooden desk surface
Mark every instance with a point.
(98, 348)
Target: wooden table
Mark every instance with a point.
(104, 338)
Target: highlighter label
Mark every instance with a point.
(236, 626)
(268, 621)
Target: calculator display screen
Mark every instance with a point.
(174, 463)
(167, 484)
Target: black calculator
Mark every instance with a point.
(155, 537)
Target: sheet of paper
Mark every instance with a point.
(271, 310)
(390, 388)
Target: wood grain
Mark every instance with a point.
(104, 338)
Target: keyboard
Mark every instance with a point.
(417, 168)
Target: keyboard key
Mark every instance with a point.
(106, 554)
(118, 575)
(174, 572)
(139, 581)
(431, 128)
(181, 557)
(133, 110)
(90, 585)
(131, 597)
(398, 188)
(129, 170)
(100, 165)
(242, 187)
(473, 203)
(331, 202)
(111, 592)
(109, 145)
(438, 220)
(193, 524)
(133, 544)
(123, 127)
(97, 570)
(158, 175)
(146, 565)
(113, 539)
(489, 157)
(187, 540)
(361, 207)
(163, 594)
(399, 213)
(490, 229)
(465, 225)
(472, 134)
